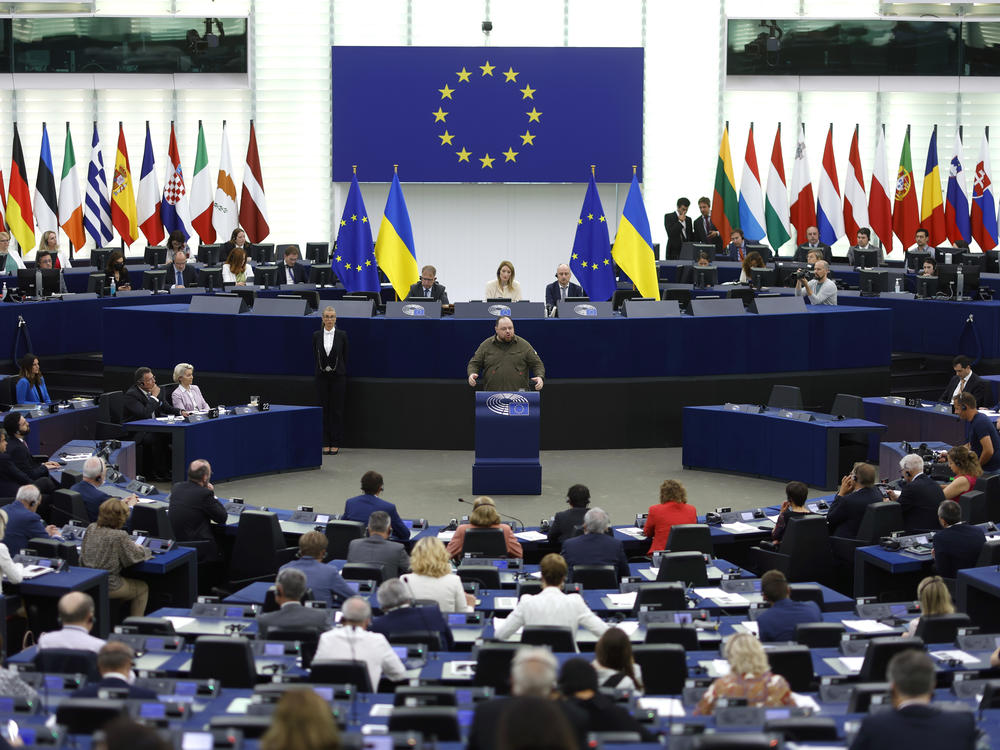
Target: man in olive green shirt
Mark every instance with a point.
(505, 361)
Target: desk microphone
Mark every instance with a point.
(515, 519)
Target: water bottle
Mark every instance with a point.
(959, 283)
(114, 288)
(897, 285)
(3, 293)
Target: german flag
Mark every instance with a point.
(19, 216)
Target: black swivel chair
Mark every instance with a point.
(259, 549)
(941, 628)
(664, 667)
(819, 634)
(989, 555)
(69, 478)
(308, 641)
(484, 543)
(804, 729)
(974, 506)
(493, 665)
(339, 535)
(110, 412)
(794, 663)
(595, 576)
(880, 651)
(659, 596)
(429, 638)
(806, 592)
(672, 632)
(990, 486)
(880, 519)
(88, 715)
(690, 537)
(556, 637)
(341, 672)
(66, 506)
(363, 572)
(785, 397)
(153, 520)
(804, 554)
(438, 723)
(66, 661)
(487, 576)
(228, 659)
(686, 567)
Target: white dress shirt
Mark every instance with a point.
(328, 339)
(12, 572)
(961, 386)
(71, 636)
(447, 590)
(551, 607)
(358, 644)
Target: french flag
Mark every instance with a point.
(829, 209)
(956, 210)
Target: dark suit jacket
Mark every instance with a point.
(337, 358)
(675, 237)
(957, 547)
(11, 477)
(92, 498)
(976, 386)
(920, 500)
(412, 619)
(22, 525)
(483, 733)
(189, 274)
(803, 250)
(702, 227)
(916, 727)
(134, 691)
(734, 252)
(22, 458)
(376, 549)
(299, 273)
(595, 549)
(846, 512)
(552, 292)
(437, 292)
(566, 524)
(192, 509)
(137, 404)
(293, 616)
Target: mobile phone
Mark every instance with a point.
(12, 731)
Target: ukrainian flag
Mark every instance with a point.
(394, 249)
(633, 248)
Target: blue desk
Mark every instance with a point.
(978, 595)
(47, 589)
(123, 458)
(172, 577)
(284, 438)
(889, 455)
(914, 424)
(878, 570)
(50, 431)
(768, 444)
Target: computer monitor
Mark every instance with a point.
(948, 278)
(154, 255)
(265, 275)
(263, 253)
(209, 254)
(95, 283)
(568, 299)
(693, 250)
(761, 277)
(927, 286)
(949, 254)
(705, 276)
(873, 281)
(154, 280)
(26, 282)
(763, 250)
(683, 296)
(620, 295)
(322, 274)
(991, 261)
(743, 293)
(99, 256)
(311, 297)
(867, 258)
(210, 278)
(248, 294)
(915, 260)
(318, 252)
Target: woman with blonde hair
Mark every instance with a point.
(432, 577)
(504, 287)
(964, 464)
(187, 396)
(673, 508)
(484, 516)
(749, 678)
(49, 243)
(301, 721)
(935, 599)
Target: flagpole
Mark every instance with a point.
(120, 238)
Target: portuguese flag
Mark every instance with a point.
(725, 204)
(905, 211)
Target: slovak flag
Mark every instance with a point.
(984, 217)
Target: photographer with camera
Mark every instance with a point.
(919, 497)
(816, 285)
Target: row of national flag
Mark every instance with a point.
(208, 210)
(889, 208)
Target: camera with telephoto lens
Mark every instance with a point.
(805, 274)
(929, 456)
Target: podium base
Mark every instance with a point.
(506, 477)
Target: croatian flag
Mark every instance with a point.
(829, 209)
(174, 207)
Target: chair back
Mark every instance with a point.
(807, 544)
(990, 485)
(257, 535)
(785, 397)
(339, 535)
(436, 723)
(111, 407)
(67, 660)
(672, 632)
(66, 506)
(227, 659)
(664, 667)
(69, 478)
(819, 634)
(487, 576)
(879, 520)
(880, 651)
(308, 640)
(152, 519)
(595, 576)
(88, 715)
(369, 571)
(556, 637)
(484, 543)
(989, 554)
(941, 628)
(429, 638)
(493, 665)
(848, 406)
(342, 671)
(973, 505)
(690, 537)
(804, 728)
(794, 663)
(686, 567)
(806, 592)
(660, 595)
(425, 695)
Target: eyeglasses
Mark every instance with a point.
(424, 278)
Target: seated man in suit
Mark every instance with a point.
(290, 587)
(193, 507)
(89, 488)
(291, 272)
(568, 523)
(76, 615)
(864, 238)
(23, 521)
(376, 548)
(857, 491)
(43, 262)
(704, 229)
(777, 623)
(114, 662)
(737, 249)
(594, 546)
(957, 544)
(679, 228)
(360, 507)
(325, 580)
(920, 497)
(914, 722)
(812, 243)
(562, 287)
(142, 401)
(400, 616)
(179, 273)
(427, 287)
(17, 429)
(966, 381)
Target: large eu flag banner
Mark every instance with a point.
(487, 114)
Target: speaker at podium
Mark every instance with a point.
(507, 443)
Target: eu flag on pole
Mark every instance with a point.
(354, 260)
(591, 259)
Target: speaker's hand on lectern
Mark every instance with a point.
(538, 383)
(472, 379)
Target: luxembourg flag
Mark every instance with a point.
(984, 217)
(751, 197)
(829, 209)
(956, 211)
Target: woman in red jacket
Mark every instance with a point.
(673, 508)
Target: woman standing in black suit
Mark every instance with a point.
(330, 349)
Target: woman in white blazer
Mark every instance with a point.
(187, 396)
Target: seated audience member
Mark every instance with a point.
(562, 287)
(964, 464)
(291, 271)
(504, 287)
(679, 228)
(922, 239)
(857, 491)
(432, 577)
(965, 381)
(568, 523)
(594, 546)
(793, 508)
(289, 588)
(23, 522)
(551, 606)
(578, 682)
(534, 723)
(353, 640)
(812, 243)
(13, 573)
(89, 488)
(737, 249)
(983, 438)
(179, 273)
(7, 263)
(115, 661)
(30, 387)
(914, 722)
(302, 720)
(673, 509)
(813, 257)
(399, 615)
(935, 599)
(238, 239)
(325, 580)
(957, 544)
(864, 238)
(753, 259)
(106, 545)
(428, 287)
(116, 271)
(187, 396)
(929, 268)
(177, 243)
(44, 262)
(703, 260)
(820, 290)
(484, 516)
(142, 401)
(11, 477)
(614, 663)
(376, 547)
(237, 270)
(920, 496)
(17, 429)
(360, 507)
(76, 615)
(777, 622)
(750, 678)
(193, 507)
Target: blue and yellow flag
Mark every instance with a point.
(354, 260)
(633, 249)
(394, 248)
(591, 259)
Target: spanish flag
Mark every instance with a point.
(633, 248)
(124, 216)
(394, 249)
(20, 218)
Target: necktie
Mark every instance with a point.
(742, 251)
(562, 293)
(427, 293)
(961, 386)
(288, 274)
(180, 278)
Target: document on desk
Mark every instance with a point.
(504, 602)
(179, 622)
(628, 626)
(33, 571)
(531, 536)
(625, 601)
(663, 706)
(806, 701)
(381, 709)
(715, 667)
(867, 626)
(751, 626)
(722, 598)
(238, 705)
(955, 654)
(633, 531)
(738, 527)
(445, 536)
(649, 574)
(845, 664)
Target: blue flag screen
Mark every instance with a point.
(487, 114)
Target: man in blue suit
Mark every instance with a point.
(737, 249)
(291, 272)
(400, 616)
(360, 507)
(324, 580)
(777, 623)
(914, 723)
(594, 546)
(114, 662)
(562, 287)
(89, 488)
(23, 523)
(957, 545)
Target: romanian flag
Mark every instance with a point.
(124, 216)
(394, 250)
(19, 216)
(633, 248)
(905, 215)
(931, 200)
(725, 204)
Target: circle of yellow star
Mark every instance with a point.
(440, 115)
(511, 154)
(590, 216)
(343, 223)
(463, 155)
(529, 93)
(510, 75)
(446, 92)
(594, 266)
(463, 75)
(339, 259)
(446, 138)
(574, 256)
(579, 221)
(533, 115)
(528, 139)
(487, 69)
(607, 262)
(354, 217)
(368, 262)
(487, 161)
(601, 219)
(364, 219)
